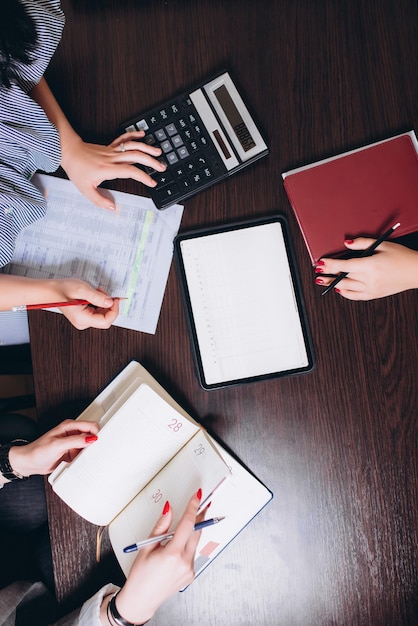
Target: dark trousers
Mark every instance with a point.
(24, 536)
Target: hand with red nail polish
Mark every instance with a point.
(159, 571)
(62, 443)
(392, 268)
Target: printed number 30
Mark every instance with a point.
(157, 496)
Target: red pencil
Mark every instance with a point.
(49, 305)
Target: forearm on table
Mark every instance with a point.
(19, 290)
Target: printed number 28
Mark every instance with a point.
(175, 425)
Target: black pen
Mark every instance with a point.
(151, 540)
(368, 252)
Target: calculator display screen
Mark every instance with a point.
(234, 117)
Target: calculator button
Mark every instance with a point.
(203, 141)
(160, 135)
(182, 123)
(184, 184)
(149, 139)
(186, 103)
(163, 178)
(174, 109)
(201, 160)
(171, 130)
(187, 134)
(183, 152)
(172, 158)
(193, 145)
(192, 118)
(197, 129)
(190, 166)
(153, 120)
(168, 192)
(130, 128)
(207, 173)
(197, 178)
(164, 114)
(179, 172)
(166, 146)
(142, 125)
(177, 141)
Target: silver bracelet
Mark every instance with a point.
(117, 618)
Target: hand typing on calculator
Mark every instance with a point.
(204, 135)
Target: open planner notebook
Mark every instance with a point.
(243, 302)
(166, 456)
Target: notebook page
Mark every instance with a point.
(197, 465)
(243, 303)
(240, 499)
(133, 446)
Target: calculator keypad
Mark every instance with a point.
(187, 151)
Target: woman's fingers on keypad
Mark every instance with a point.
(139, 146)
(137, 157)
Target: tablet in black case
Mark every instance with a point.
(206, 134)
(243, 302)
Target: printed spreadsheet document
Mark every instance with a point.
(127, 252)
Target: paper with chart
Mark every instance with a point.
(243, 303)
(127, 253)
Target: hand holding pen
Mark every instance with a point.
(160, 571)
(394, 268)
(167, 536)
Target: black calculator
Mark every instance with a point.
(205, 135)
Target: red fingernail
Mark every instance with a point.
(320, 262)
(318, 270)
(166, 508)
(208, 505)
(319, 281)
(90, 438)
(337, 290)
(348, 241)
(199, 494)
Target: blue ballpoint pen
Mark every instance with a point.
(151, 540)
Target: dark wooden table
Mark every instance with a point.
(338, 446)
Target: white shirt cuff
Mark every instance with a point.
(90, 611)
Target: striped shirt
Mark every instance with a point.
(28, 140)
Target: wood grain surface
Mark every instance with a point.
(337, 446)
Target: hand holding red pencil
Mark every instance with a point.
(82, 305)
(101, 314)
(32, 293)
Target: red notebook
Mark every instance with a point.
(358, 193)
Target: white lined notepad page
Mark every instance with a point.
(243, 303)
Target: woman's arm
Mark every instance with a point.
(159, 571)
(88, 165)
(19, 290)
(62, 443)
(391, 269)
